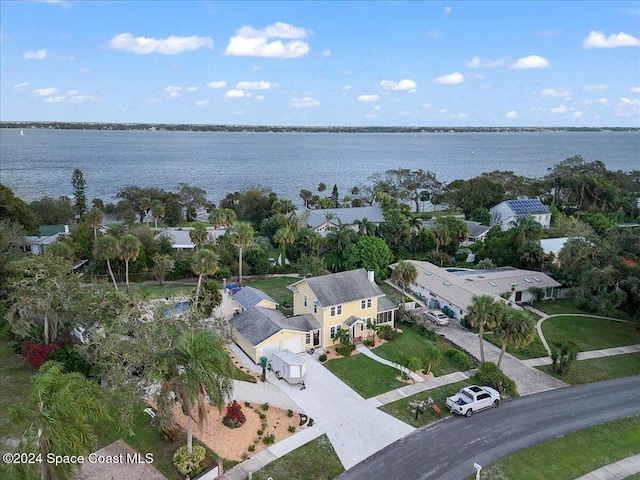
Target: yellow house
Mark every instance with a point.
(322, 306)
(350, 300)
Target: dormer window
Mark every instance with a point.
(304, 300)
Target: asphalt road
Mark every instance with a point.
(447, 450)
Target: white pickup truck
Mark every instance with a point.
(471, 399)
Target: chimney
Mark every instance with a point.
(370, 275)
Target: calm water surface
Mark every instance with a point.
(41, 162)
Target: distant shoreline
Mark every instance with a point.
(299, 129)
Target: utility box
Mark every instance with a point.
(263, 361)
(287, 365)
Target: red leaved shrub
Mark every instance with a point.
(38, 353)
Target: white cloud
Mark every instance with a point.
(426, 105)
(477, 62)
(377, 107)
(17, 86)
(633, 102)
(255, 43)
(65, 58)
(166, 46)
(256, 68)
(598, 40)
(259, 97)
(192, 89)
(563, 92)
(368, 98)
(447, 10)
(326, 53)
(35, 55)
(511, 114)
(75, 98)
(218, 84)
(406, 84)
(63, 3)
(603, 101)
(577, 114)
(346, 88)
(172, 91)
(632, 89)
(451, 79)
(463, 115)
(559, 109)
(239, 112)
(304, 102)
(260, 85)
(406, 113)
(595, 88)
(152, 101)
(201, 103)
(235, 94)
(46, 92)
(532, 61)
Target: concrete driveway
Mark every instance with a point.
(355, 428)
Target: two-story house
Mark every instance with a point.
(507, 213)
(322, 306)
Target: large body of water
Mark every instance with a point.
(40, 163)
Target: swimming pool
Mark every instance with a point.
(176, 309)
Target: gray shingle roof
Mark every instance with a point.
(256, 324)
(249, 297)
(384, 304)
(343, 287)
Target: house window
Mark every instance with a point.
(337, 310)
(315, 307)
(384, 317)
(308, 341)
(333, 331)
(305, 300)
(365, 304)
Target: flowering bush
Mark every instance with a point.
(234, 417)
(37, 353)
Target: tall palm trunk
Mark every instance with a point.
(502, 350)
(240, 265)
(481, 336)
(113, 278)
(46, 327)
(126, 273)
(189, 433)
(197, 292)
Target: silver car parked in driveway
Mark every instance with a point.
(437, 317)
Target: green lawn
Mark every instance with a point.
(599, 369)
(590, 333)
(366, 376)
(572, 455)
(16, 387)
(534, 350)
(317, 460)
(276, 288)
(392, 293)
(568, 305)
(149, 290)
(411, 343)
(402, 411)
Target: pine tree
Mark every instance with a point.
(79, 192)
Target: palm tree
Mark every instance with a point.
(222, 217)
(63, 405)
(106, 248)
(284, 236)
(442, 235)
(94, 217)
(307, 197)
(145, 206)
(242, 234)
(484, 312)
(514, 328)
(527, 230)
(199, 235)
(204, 262)
(158, 211)
(365, 227)
(202, 371)
(129, 250)
(404, 275)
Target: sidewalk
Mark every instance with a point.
(621, 469)
(605, 352)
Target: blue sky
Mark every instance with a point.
(322, 63)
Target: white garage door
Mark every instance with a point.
(267, 349)
(293, 344)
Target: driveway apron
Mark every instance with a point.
(355, 428)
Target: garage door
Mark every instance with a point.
(269, 348)
(293, 344)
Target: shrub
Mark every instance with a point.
(247, 404)
(289, 413)
(387, 333)
(490, 374)
(262, 416)
(252, 448)
(260, 432)
(432, 356)
(563, 354)
(269, 439)
(69, 357)
(189, 463)
(291, 428)
(37, 353)
(234, 417)
(323, 357)
(368, 343)
(344, 350)
(414, 363)
(458, 358)
(265, 406)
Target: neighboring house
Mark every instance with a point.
(477, 231)
(48, 235)
(456, 287)
(321, 307)
(507, 213)
(552, 246)
(323, 220)
(180, 239)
